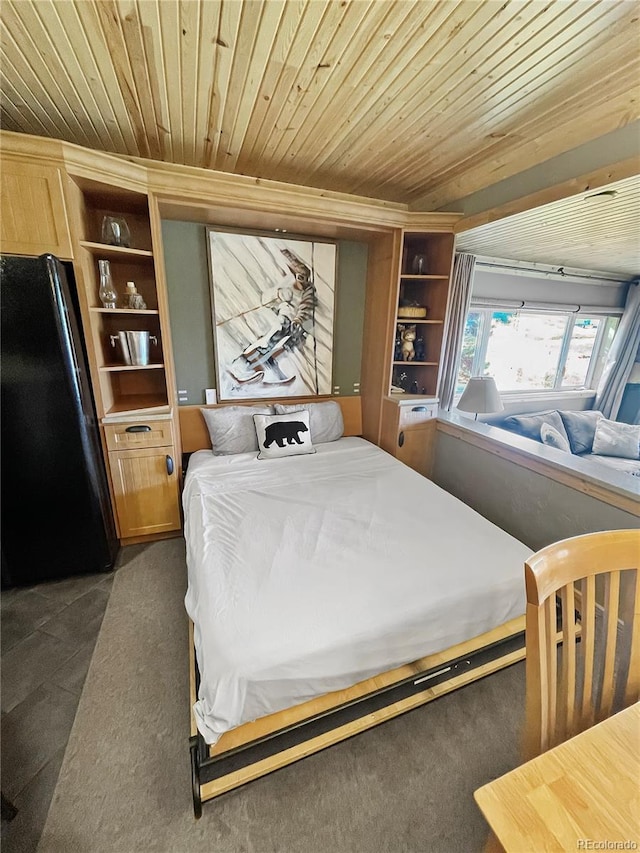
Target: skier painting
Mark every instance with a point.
(273, 315)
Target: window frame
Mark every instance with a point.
(486, 313)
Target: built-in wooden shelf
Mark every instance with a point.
(114, 252)
(138, 404)
(124, 311)
(424, 277)
(409, 363)
(112, 368)
(410, 321)
(144, 491)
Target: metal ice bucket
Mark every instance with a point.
(134, 346)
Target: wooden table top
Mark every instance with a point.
(585, 789)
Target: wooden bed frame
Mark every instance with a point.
(272, 742)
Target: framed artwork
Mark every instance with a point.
(273, 304)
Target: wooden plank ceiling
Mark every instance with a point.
(416, 101)
(595, 230)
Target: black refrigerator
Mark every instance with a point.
(56, 513)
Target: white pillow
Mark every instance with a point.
(616, 439)
(325, 419)
(283, 435)
(552, 437)
(231, 428)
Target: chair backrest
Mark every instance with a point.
(583, 634)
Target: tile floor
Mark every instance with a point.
(48, 635)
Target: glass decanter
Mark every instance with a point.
(107, 293)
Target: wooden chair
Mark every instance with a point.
(583, 634)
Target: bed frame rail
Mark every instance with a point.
(213, 775)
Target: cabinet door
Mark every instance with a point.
(34, 217)
(146, 493)
(416, 445)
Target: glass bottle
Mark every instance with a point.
(107, 292)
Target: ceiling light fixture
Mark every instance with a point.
(603, 196)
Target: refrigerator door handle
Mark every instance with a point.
(66, 335)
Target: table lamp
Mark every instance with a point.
(480, 396)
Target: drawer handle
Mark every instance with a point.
(138, 428)
(401, 439)
(169, 462)
(419, 409)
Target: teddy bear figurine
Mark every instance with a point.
(408, 335)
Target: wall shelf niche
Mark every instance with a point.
(423, 283)
(119, 387)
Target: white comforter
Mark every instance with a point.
(310, 573)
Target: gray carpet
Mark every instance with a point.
(125, 782)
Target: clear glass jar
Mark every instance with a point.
(107, 292)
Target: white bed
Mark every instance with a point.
(310, 573)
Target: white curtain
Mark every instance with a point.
(461, 285)
(621, 357)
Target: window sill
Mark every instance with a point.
(544, 393)
(611, 487)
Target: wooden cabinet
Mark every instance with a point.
(408, 412)
(145, 476)
(54, 199)
(145, 485)
(423, 291)
(416, 446)
(409, 431)
(407, 291)
(34, 215)
(134, 402)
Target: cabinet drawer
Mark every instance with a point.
(418, 414)
(137, 434)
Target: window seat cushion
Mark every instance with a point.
(629, 466)
(529, 425)
(579, 427)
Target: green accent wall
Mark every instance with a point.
(187, 269)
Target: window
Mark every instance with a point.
(525, 350)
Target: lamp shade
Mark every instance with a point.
(481, 396)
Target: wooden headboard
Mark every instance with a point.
(194, 433)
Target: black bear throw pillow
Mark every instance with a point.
(283, 435)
